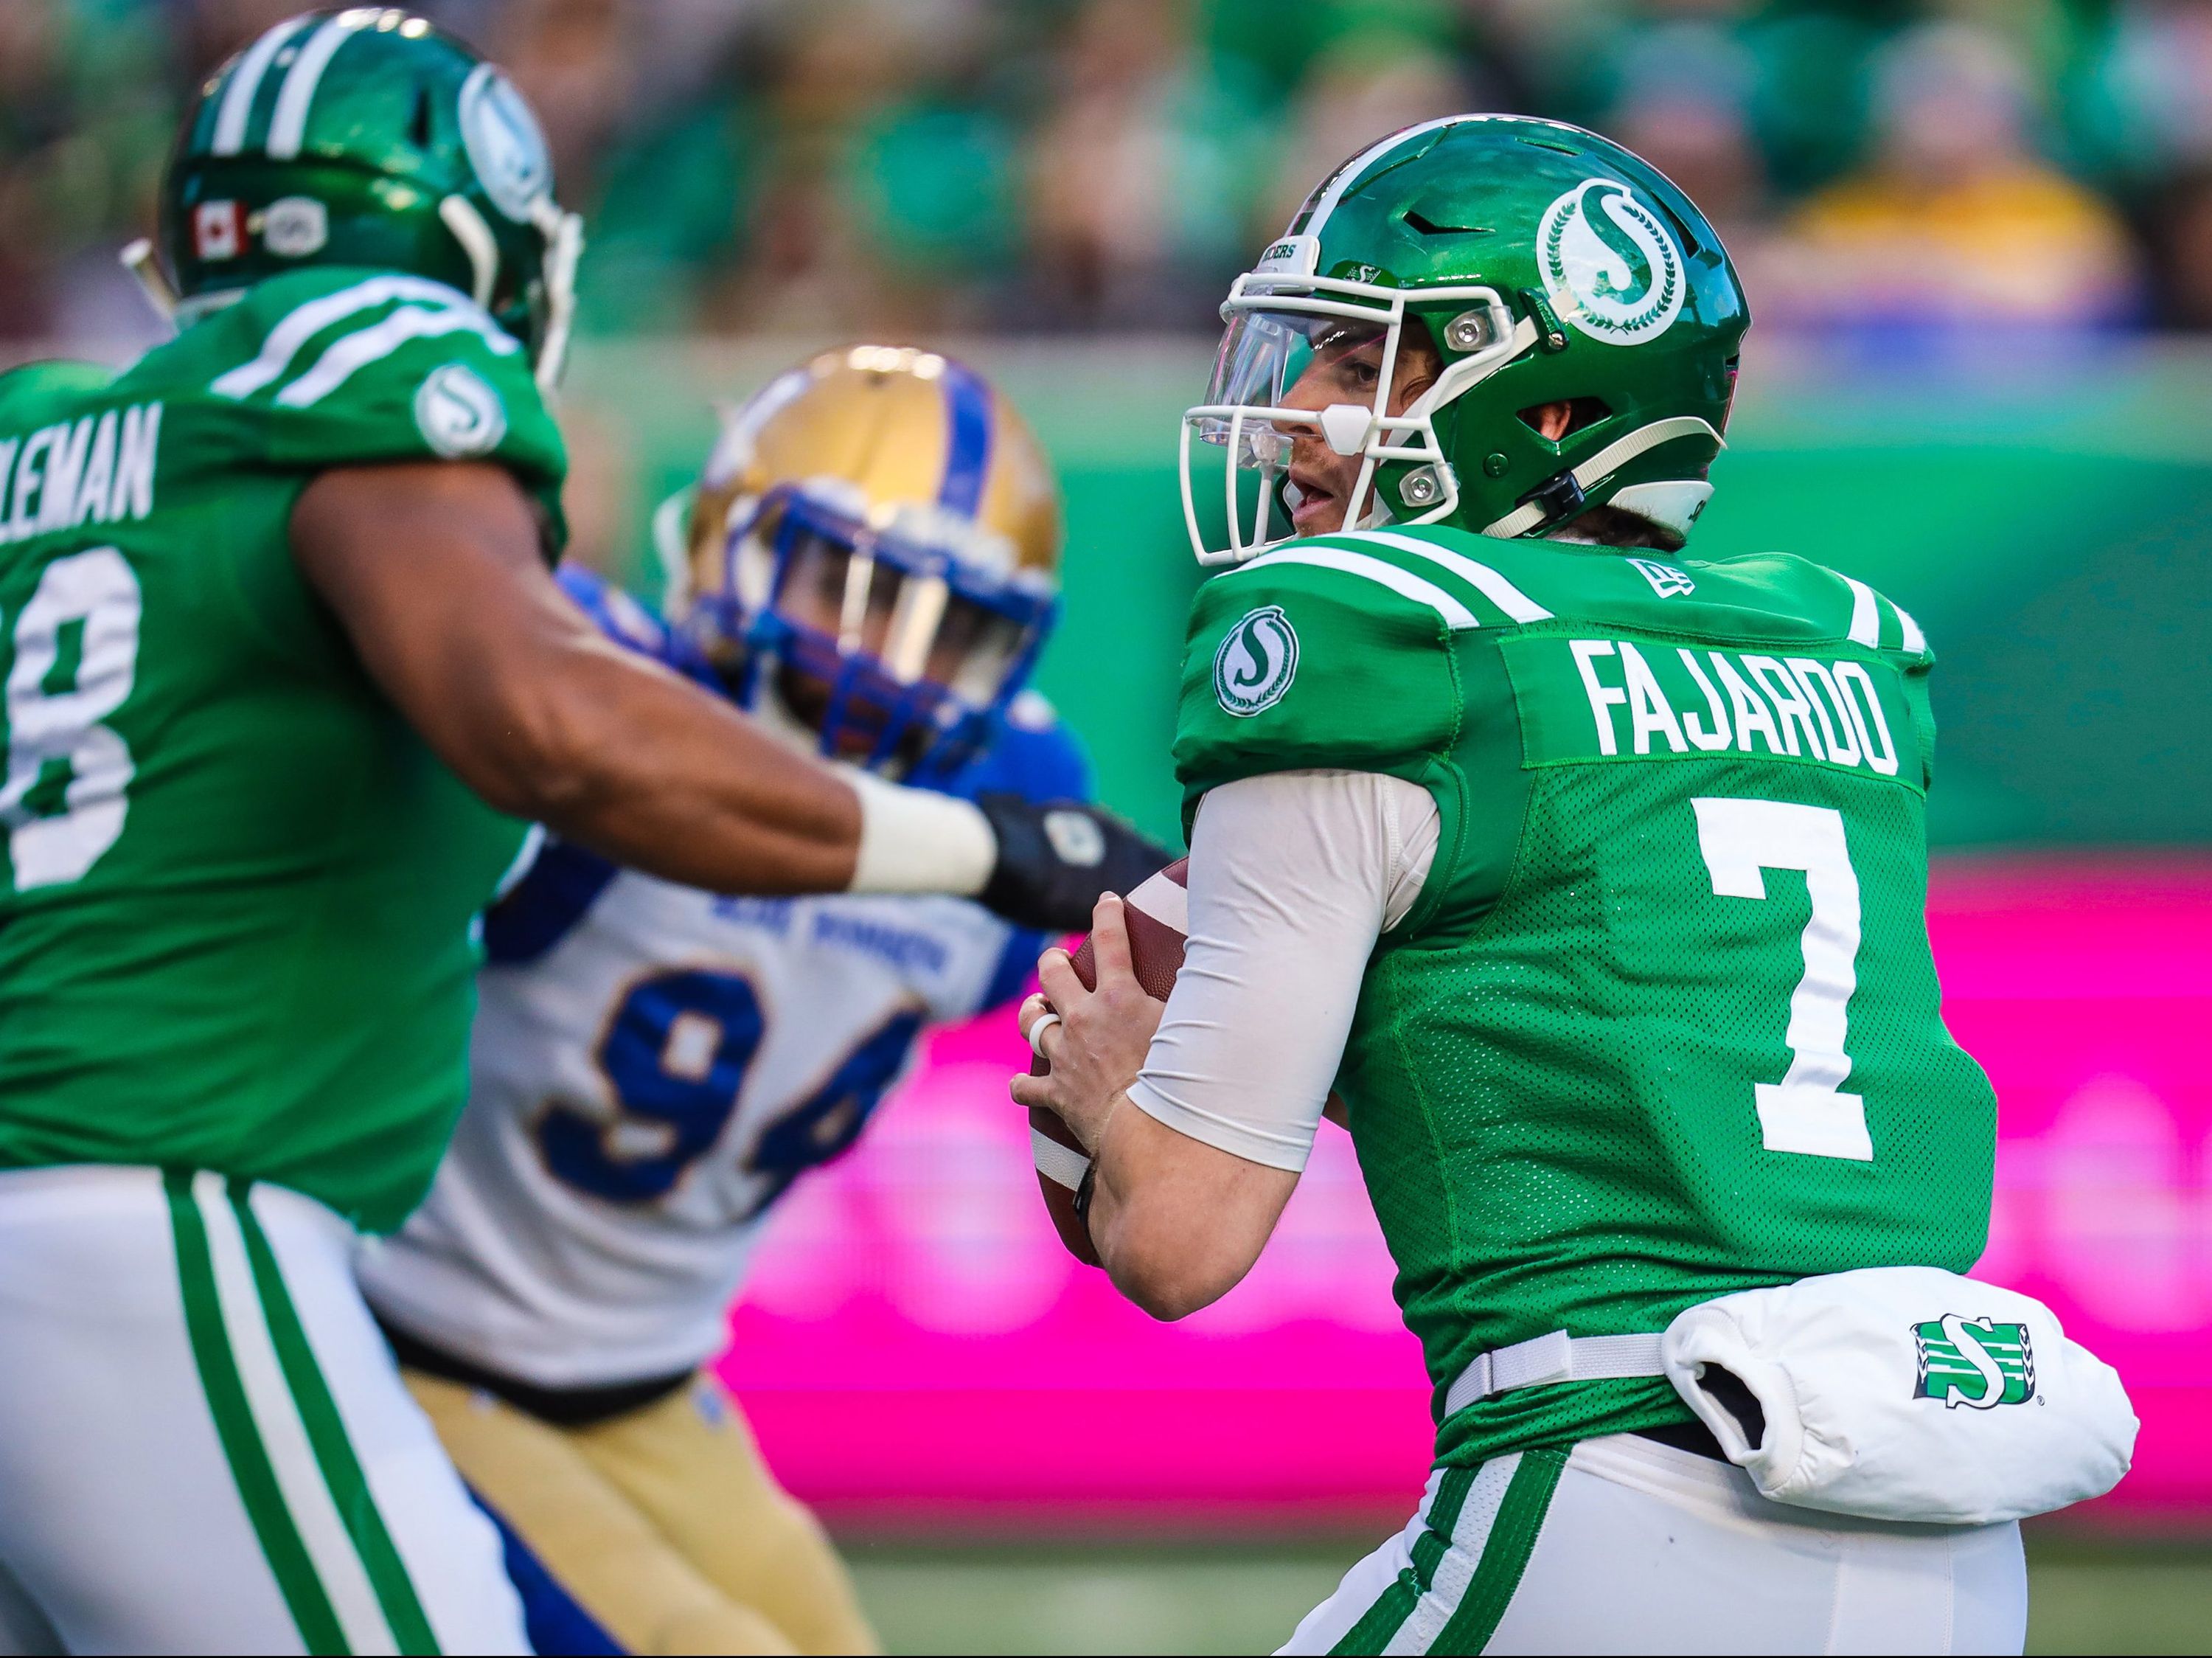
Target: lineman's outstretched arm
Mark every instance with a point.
(434, 569)
(1292, 878)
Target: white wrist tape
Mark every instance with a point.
(914, 841)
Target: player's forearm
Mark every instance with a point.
(434, 573)
(660, 776)
(1178, 1222)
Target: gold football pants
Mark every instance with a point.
(664, 1524)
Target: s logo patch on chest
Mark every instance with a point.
(1257, 662)
(459, 413)
(1610, 264)
(1979, 1364)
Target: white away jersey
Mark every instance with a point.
(651, 1067)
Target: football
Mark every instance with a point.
(1160, 913)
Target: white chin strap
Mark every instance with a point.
(564, 248)
(1605, 462)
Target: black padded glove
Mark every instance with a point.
(1057, 857)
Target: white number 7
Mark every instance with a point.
(1742, 839)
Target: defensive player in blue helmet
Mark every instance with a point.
(871, 566)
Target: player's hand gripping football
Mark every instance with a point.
(1098, 1046)
(1055, 857)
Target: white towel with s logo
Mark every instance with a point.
(1905, 1393)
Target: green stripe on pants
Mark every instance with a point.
(1505, 1553)
(334, 1454)
(1396, 1604)
(250, 1467)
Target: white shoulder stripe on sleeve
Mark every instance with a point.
(1866, 617)
(304, 323)
(1914, 641)
(288, 123)
(1492, 586)
(1456, 616)
(237, 106)
(357, 351)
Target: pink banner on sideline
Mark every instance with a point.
(916, 1344)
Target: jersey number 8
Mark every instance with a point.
(675, 1056)
(76, 654)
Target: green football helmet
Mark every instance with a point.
(1548, 265)
(367, 137)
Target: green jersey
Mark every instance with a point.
(1663, 1023)
(237, 911)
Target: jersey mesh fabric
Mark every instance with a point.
(1551, 1071)
(267, 969)
(1578, 1075)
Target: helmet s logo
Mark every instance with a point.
(1257, 662)
(1610, 264)
(504, 143)
(457, 413)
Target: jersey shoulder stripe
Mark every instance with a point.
(1867, 628)
(1493, 586)
(356, 351)
(429, 302)
(1451, 611)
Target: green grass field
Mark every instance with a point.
(2091, 1592)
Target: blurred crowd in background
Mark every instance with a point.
(1892, 172)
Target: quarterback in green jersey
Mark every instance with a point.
(287, 678)
(1589, 874)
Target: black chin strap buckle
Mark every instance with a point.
(1559, 499)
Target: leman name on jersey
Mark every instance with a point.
(235, 922)
(653, 1066)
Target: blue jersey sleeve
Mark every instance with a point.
(627, 622)
(1032, 755)
(1036, 756)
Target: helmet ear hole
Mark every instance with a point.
(1582, 412)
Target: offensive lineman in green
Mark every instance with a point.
(286, 677)
(1590, 876)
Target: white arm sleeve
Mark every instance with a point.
(1293, 877)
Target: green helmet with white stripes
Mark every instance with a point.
(1546, 265)
(369, 138)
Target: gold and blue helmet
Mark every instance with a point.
(872, 557)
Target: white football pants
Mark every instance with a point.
(204, 1446)
(1623, 1545)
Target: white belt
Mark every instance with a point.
(1542, 1360)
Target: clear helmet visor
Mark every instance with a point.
(1276, 371)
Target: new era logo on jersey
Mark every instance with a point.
(1978, 1363)
(1257, 662)
(1666, 580)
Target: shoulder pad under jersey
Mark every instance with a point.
(335, 368)
(1334, 653)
